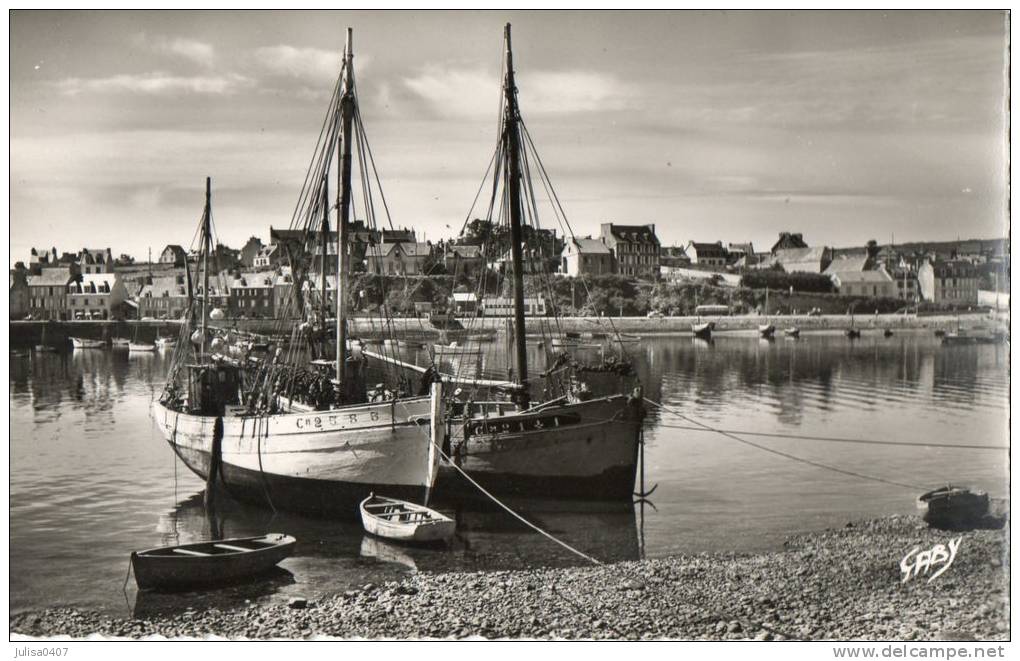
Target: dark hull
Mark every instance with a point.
(586, 450)
(333, 499)
(179, 573)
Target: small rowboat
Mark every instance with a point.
(403, 521)
(852, 333)
(140, 346)
(86, 343)
(208, 563)
(953, 507)
(887, 332)
(704, 331)
(767, 331)
(568, 342)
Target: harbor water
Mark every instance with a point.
(91, 479)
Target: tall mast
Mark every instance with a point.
(324, 244)
(511, 138)
(344, 206)
(206, 240)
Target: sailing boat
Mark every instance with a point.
(766, 330)
(574, 445)
(852, 333)
(702, 330)
(297, 434)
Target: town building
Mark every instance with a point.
(503, 306)
(741, 254)
(707, 254)
(854, 262)
(635, 248)
(803, 260)
(464, 303)
(95, 260)
(948, 282)
(47, 291)
(586, 256)
(670, 256)
(788, 241)
(864, 283)
(462, 259)
(173, 254)
(284, 305)
(96, 296)
(166, 297)
(19, 292)
(40, 257)
(398, 258)
(249, 251)
(269, 257)
(402, 235)
(907, 288)
(252, 295)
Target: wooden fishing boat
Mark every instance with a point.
(86, 343)
(405, 522)
(953, 507)
(317, 447)
(568, 443)
(703, 330)
(766, 330)
(209, 563)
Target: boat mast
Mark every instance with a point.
(511, 139)
(206, 239)
(344, 206)
(324, 244)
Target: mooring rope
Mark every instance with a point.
(787, 455)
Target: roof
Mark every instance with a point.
(464, 296)
(254, 280)
(746, 248)
(635, 233)
(589, 247)
(94, 283)
(848, 263)
(788, 240)
(164, 286)
(864, 277)
(707, 249)
(800, 255)
(951, 269)
(95, 255)
(57, 275)
(406, 247)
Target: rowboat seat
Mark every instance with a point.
(190, 552)
(228, 547)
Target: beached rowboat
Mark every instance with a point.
(403, 521)
(208, 563)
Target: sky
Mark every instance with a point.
(731, 126)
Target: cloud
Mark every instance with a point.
(190, 49)
(314, 65)
(155, 83)
(461, 92)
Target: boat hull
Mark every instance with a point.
(439, 529)
(85, 343)
(177, 572)
(321, 463)
(585, 450)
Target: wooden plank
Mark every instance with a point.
(190, 552)
(232, 548)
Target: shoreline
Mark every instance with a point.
(835, 584)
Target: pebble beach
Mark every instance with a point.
(837, 584)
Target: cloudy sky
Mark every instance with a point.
(714, 126)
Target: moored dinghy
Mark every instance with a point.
(86, 343)
(209, 563)
(406, 522)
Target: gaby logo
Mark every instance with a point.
(939, 558)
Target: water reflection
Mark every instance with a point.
(91, 480)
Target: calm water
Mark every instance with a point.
(92, 480)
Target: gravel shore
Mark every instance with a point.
(836, 584)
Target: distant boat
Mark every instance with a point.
(120, 343)
(86, 343)
(165, 342)
(973, 336)
(766, 330)
(704, 330)
(940, 332)
(42, 347)
(134, 347)
(953, 507)
(406, 522)
(887, 332)
(456, 350)
(573, 343)
(792, 331)
(209, 563)
(852, 333)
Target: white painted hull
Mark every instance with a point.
(84, 343)
(440, 528)
(318, 462)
